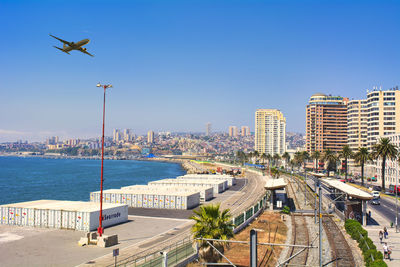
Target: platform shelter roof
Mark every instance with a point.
(272, 184)
(347, 189)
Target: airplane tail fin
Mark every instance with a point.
(61, 49)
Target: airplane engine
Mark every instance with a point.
(84, 49)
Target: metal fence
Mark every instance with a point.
(184, 249)
(176, 253)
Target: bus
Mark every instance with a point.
(392, 189)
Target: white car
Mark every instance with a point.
(376, 194)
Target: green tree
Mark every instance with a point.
(316, 155)
(330, 157)
(384, 149)
(346, 153)
(275, 173)
(361, 157)
(211, 223)
(304, 158)
(298, 159)
(286, 156)
(276, 159)
(256, 155)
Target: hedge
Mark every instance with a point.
(355, 230)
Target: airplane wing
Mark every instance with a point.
(84, 51)
(61, 40)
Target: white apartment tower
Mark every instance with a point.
(383, 114)
(150, 137)
(357, 123)
(270, 132)
(245, 131)
(233, 131)
(208, 129)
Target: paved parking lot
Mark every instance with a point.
(25, 246)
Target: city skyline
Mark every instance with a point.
(177, 66)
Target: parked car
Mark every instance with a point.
(375, 201)
(373, 179)
(377, 188)
(350, 180)
(343, 180)
(376, 194)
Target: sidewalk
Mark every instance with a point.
(393, 239)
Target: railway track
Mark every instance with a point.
(340, 250)
(341, 253)
(268, 253)
(300, 235)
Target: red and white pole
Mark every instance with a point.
(100, 230)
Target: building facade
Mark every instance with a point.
(233, 131)
(208, 129)
(383, 106)
(392, 169)
(270, 130)
(326, 123)
(150, 137)
(357, 122)
(245, 131)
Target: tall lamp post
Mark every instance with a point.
(100, 230)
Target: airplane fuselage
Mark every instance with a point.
(69, 46)
(75, 46)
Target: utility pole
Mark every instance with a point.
(305, 188)
(315, 199)
(397, 211)
(253, 248)
(320, 223)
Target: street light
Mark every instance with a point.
(100, 230)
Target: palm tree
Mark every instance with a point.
(211, 223)
(298, 158)
(256, 155)
(250, 156)
(330, 157)
(276, 159)
(384, 149)
(263, 158)
(269, 157)
(286, 156)
(361, 157)
(304, 157)
(346, 153)
(316, 155)
(275, 172)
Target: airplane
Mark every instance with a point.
(68, 46)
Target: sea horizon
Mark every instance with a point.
(34, 178)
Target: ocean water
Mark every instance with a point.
(27, 179)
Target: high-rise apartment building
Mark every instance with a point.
(208, 129)
(357, 122)
(233, 131)
(245, 131)
(150, 137)
(270, 132)
(128, 135)
(326, 123)
(383, 106)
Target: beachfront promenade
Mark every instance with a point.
(140, 235)
(393, 239)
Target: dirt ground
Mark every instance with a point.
(271, 229)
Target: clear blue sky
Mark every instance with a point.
(176, 65)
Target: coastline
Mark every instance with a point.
(186, 165)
